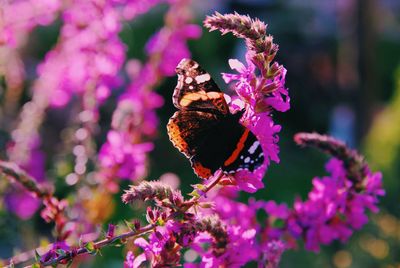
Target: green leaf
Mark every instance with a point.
(130, 225)
(36, 265)
(200, 187)
(194, 193)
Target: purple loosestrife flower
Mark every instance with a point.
(250, 89)
(124, 155)
(19, 200)
(132, 261)
(88, 56)
(273, 253)
(248, 239)
(127, 157)
(85, 61)
(334, 208)
(13, 29)
(160, 250)
(259, 94)
(176, 40)
(133, 8)
(240, 250)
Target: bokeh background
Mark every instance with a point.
(343, 62)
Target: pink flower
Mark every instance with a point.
(132, 261)
(259, 96)
(88, 56)
(245, 79)
(266, 132)
(273, 252)
(119, 152)
(334, 208)
(30, 14)
(21, 202)
(159, 250)
(17, 199)
(176, 39)
(260, 93)
(242, 248)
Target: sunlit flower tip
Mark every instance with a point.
(240, 25)
(355, 165)
(149, 190)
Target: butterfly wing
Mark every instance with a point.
(248, 155)
(196, 90)
(229, 146)
(188, 130)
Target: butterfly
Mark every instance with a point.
(204, 129)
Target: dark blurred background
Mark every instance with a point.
(343, 62)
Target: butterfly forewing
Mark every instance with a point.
(196, 90)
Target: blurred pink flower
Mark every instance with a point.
(18, 200)
(88, 56)
(30, 14)
(176, 40)
(129, 159)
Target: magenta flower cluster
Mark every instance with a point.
(260, 89)
(335, 209)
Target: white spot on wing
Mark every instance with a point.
(247, 160)
(253, 147)
(188, 80)
(202, 78)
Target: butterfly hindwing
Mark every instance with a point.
(187, 130)
(196, 90)
(249, 157)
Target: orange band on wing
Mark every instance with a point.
(200, 95)
(201, 171)
(239, 148)
(176, 137)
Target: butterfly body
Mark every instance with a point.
(204, 130)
